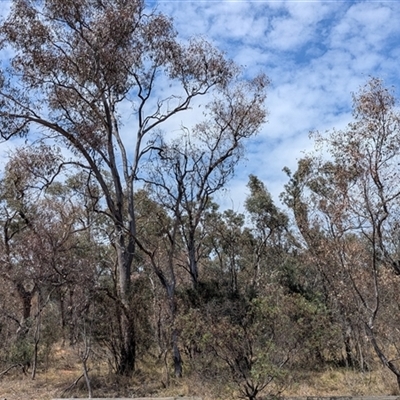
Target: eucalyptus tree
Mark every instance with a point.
(22, 245)
(228, 241)
(43, 247)
(269, 228)
(346, 199)
(187, 171)
(250, 253)
(80, 68)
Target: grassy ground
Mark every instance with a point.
(64, 370)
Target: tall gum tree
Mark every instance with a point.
(76, 66)
(184, 173)
(346, 201)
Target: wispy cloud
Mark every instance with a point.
(315, 52)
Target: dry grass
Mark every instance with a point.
(65, 368)
(342, 382)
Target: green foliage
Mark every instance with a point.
(21, 351)
(261, 208)
(244, 298)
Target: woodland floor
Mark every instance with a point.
(65, 369)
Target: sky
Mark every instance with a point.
(316, 54)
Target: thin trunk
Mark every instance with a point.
(167, 374)
(62, 316)
(193, 267)
(233, 274)
(36, 341)
(387, 363)
(361, 356)
(70, 317)
(176, 355)
(169, 287)
(349, 356)
(84, 358)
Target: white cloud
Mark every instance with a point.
(316, 54)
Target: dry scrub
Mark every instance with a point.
(64, 369)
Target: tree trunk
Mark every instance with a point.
(36, 341)
(387, 363)
(127, 357)
(193, 268)
(26, 298)
(176, 355)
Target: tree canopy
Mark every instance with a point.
(111, 241)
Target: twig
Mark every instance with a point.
(12, 366)
(73, 384)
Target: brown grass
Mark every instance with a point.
(65, 368)
(343, 382)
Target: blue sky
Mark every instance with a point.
(316, 54)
